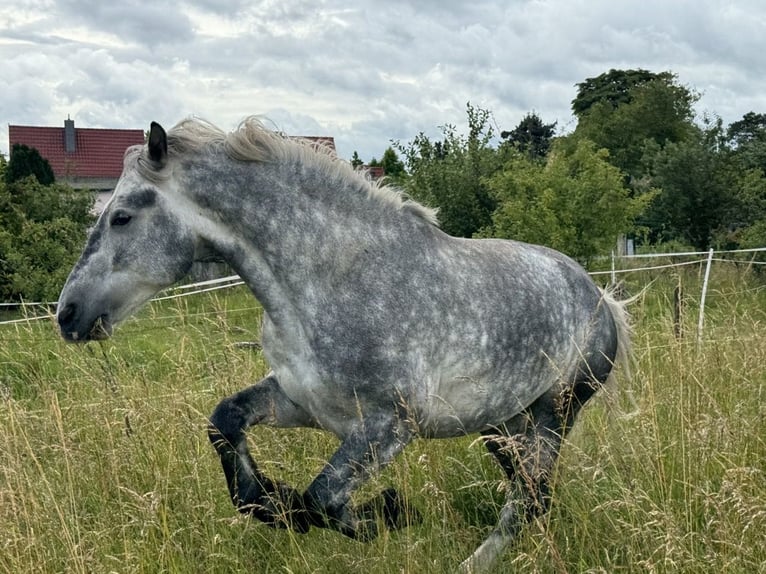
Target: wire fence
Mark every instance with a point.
(191, 289)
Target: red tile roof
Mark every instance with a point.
(375, 171)
(326, 141)
(98, 154)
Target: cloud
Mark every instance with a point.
(149, 24)
(357, 72)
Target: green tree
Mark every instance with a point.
(42, 230)
(746, 139)
(26, 161)
(752, 127)
(694, 201)
(743, 173)
(450, 173)
(356, 161)
(746, 225)
(613, 88)
(651, 109)
(392, 165)
(575, 202)
(532, 136)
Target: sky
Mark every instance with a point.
(368, 72)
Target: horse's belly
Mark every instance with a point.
(463, 405)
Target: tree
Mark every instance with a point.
(694, 201)
(746, 139)
(752, 127)
(575, 202)
(356, 162)
(531, 136)
(743, 173)
(747, 225)
(392, 165)
(42, 230)
(613, 88)
(642, 108)
(450, 173)
(26, 161)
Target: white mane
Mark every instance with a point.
(252, 141)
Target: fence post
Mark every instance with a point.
(678, 313)
(614, 275)
(702, 298)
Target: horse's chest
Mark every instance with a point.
(303, 378)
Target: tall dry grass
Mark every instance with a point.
(105, 465)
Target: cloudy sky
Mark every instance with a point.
(365, 72)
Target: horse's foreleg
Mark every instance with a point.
(251, 492)
(371, 446)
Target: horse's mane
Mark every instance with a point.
(253, 142)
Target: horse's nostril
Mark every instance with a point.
(66, 314)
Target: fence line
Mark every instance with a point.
(209, 285)
(689, 253)
(669, 265)
(206, 290)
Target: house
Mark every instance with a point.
(375, 172)
(85, 158)
(89, 158)
(325, 141)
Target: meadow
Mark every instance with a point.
(105, 465)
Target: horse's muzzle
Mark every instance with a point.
(70, 323)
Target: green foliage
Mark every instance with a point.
(745, 212)
(576, 202)
(393, 167)
(692, 203)
(614, 88)
(657, 111)
(531, 137)
(751, 128)
(391, 164)
(698, 184)
(747, 141)
(42, 230)
(26, 161)
(450, 173)
(356, 160)
(753, 236)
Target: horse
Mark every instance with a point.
(378, 327)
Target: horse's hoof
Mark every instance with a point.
(281, 507)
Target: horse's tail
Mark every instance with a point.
(621, 317)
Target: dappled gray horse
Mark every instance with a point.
(378, 326)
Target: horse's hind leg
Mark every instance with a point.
(369, 447)
(527, 447)
(251, 492)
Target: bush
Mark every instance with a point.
(42, 230)
(575, 202)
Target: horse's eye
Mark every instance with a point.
(120, 218)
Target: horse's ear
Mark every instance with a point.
(158, 144)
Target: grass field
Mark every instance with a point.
(105, 465)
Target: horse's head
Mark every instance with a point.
(141, 244)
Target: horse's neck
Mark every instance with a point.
(281, 225)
